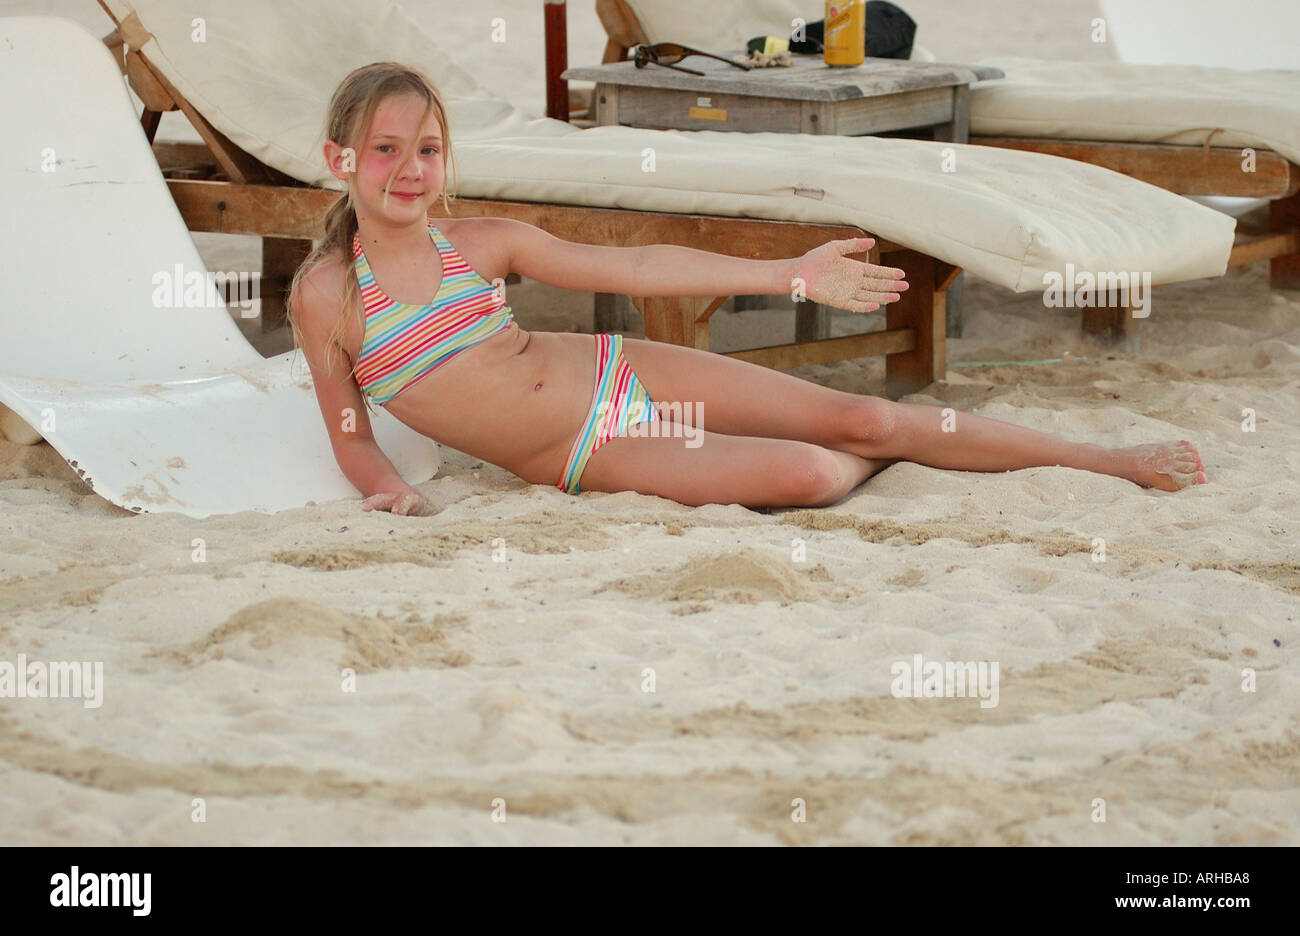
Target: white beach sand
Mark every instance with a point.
(522, 680)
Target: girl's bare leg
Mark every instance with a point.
(945, 438)
(746, 399)
(698, 467)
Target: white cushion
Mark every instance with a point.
(1119, 102)
(1008, 217)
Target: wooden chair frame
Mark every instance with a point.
(220, 188)
(623, 29)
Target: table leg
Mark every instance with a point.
(606, 98)
(956, 130)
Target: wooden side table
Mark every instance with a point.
(878, 96)
(809, 97)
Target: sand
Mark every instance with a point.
(331, 675)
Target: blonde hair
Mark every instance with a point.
(351, 110)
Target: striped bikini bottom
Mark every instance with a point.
(618, 402)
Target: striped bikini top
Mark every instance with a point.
(403, 342)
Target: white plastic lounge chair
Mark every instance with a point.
(156, 408)
(1007, 217)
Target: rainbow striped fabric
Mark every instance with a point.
(618, 402)
(403, 342)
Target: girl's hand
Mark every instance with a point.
(403, 503)
(833, 279)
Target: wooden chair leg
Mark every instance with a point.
(115, 45)
(613, 52)
(679, 320)
(281, 257)
(1284, 215)
(956, 299)
(607, 318)
(1111, 326)
(812, 321)
(150, 120)
(923, 307)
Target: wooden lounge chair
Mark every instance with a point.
(998, 218)
(220, 188)
(1133, 119)
(1201, 170)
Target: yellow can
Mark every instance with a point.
(845, 42)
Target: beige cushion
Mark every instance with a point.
(1008, 217)
(1118, 102)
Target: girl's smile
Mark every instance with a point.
(400, 163)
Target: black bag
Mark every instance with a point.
(890, 33)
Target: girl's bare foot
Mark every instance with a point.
(1168, 466)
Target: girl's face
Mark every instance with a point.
(418, 182)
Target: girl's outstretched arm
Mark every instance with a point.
(824, 274)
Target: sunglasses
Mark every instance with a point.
(668, 54)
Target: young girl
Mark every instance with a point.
(410, 305)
